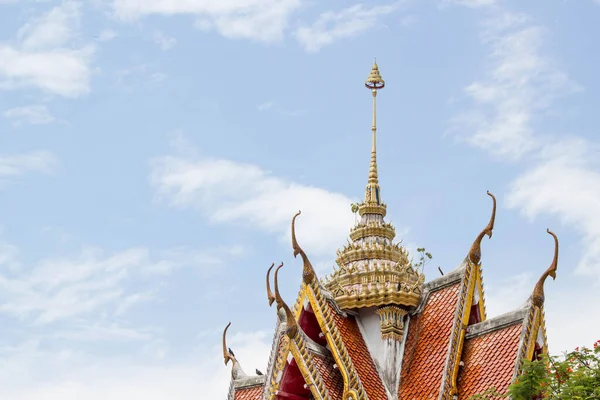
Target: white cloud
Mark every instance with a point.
(521, 84)
(34, 114)
(332, 26)
(107, 35)
(267, 105)
(565, 182)
(62, 288)
(163, 41)
(99, 332)
(14, 165)
(54, 29)
(262, 20)
(44, 57)
(31, 372)
(471, 3)
(562, 179)
(227, 191)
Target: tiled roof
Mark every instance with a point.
(249, 393)
(331, 376)
(426, 347)
(489, 361)
(360, 356)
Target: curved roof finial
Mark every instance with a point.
(308, 272)
(270, 294)
(292, 326)
(538, 296)
(475, 251)
(227, 354)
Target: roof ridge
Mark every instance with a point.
(499, 322)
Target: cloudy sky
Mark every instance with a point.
(153, 153)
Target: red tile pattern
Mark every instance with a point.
(331, 376)
(250, 393)
(426, 347)
(360, 356)
(489, 361)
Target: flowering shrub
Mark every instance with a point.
(573, 376)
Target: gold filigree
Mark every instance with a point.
(308, 272)
(370, 208)
(475, 251)
(538, 292)
(382, 230)
(391, 321)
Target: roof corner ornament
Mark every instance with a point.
(236, 371)
(308, 272)
(292, 326)
(538, 296)
(475, 251)
(270, 294)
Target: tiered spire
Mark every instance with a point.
(374, 83)
(374, 271)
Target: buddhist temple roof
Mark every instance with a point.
(375, 330)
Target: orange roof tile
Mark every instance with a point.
(331, 376)
(249, 393)
(426, 347)
(360, 356)
(489, 361)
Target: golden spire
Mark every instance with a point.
(538, 292)
(374, 82)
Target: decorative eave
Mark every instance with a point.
(372, 251)
(361, 231)
(372, 208)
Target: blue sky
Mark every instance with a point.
(152, 155)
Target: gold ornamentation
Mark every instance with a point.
(538, 292)
(353, 252)
(370, 208)
(308, 272)
(475, 251)
(374, 81)
(391, 320)
(373, 229)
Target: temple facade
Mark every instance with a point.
(375, 329)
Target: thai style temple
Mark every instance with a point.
(375, 329)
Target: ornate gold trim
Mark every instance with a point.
(353, 252)
(370, 208)
(372, 229)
